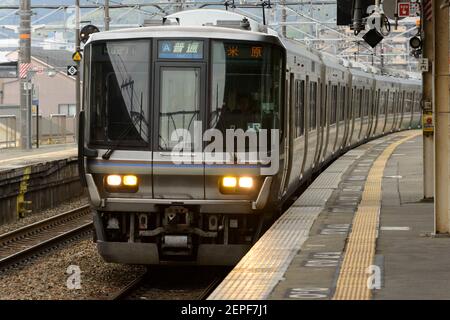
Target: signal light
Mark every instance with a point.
(415, 42)
(86, 31)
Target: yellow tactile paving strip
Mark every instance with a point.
(352, 283)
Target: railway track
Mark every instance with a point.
(27, 242)
(177, 283)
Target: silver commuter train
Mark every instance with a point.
(217, 70)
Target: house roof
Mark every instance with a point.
(58, 59)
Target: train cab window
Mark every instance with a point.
(334, 104)
(119, 93)
(300, 108)
(247, 86)
(178, 111)
(312, 105)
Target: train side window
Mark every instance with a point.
(353, 104)
(383, 102)
(312, 105)
(334, 104)
(323, 108)
(407, 108)
(416, 103)
(391, 103)
(342, 106)
(366, 103)
(300, 107)
(358, 103)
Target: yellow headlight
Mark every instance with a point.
(229, 182)
(114, 180)
(246, 182)
(130, 180)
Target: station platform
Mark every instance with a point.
(16, 158)
(360, 231)
(37, 179)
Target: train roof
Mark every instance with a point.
(221, 24)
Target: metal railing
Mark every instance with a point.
(8, 131)
(55, 129)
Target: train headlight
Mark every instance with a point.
(130, 181)
(246, 182)
(229, 182)
(236, 185)
(113, 180)
(121, 183)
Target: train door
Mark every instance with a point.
(289, 149)
(350, 116)
(325, 121)
(372, 112)
(333, 107)
(179, 115)
(340, 117)
(312, 123)
(305, 126)
(321, 117)
(299, 140)
(357, 115)
(396, 110)
(368, 114)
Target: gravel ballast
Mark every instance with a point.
(46, 278)
(44, 214)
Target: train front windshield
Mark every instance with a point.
(247, 86)
(245, 89)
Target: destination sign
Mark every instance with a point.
(180, 49)
(240, 51)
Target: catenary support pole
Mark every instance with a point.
(427, 97)
(24, 62)
(441, 109)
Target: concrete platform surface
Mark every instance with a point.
(370, 238)
(16, 158)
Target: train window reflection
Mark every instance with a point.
(247, 84)
(119, 94)
(178, 111)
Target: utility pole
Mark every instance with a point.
(107, 18)
(427, 107)
(441, 110)
(77, 78)
(25, 64)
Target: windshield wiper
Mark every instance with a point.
(135, 116)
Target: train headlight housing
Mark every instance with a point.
(121, 183)
(113, 180)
